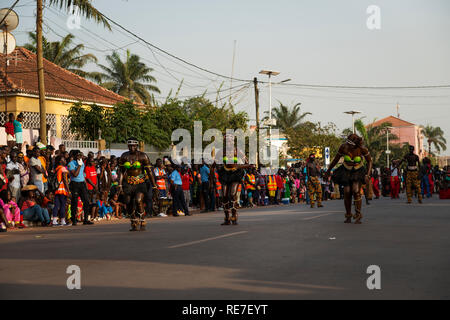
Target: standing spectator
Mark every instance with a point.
(18, 131)
(78, 187)
(186, 185)
(37, 171)
(13, 173)
(179, 203)
(376, 183)
(161, 176)
(261, 187)
(9, 128)
(24, 170)
(63, 192)
(280, 186)
(204, 174)
(395, 180)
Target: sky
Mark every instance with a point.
(320, 42)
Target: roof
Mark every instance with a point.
(59, 82)
(395, 122)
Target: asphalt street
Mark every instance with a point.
(282, 252)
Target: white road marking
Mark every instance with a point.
(208, 239)
(322, 215)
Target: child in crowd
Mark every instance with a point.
(104, 209)
(48, 202)
(117, 206)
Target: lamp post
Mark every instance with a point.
(270, 73)
(388, 152)
(353, 118)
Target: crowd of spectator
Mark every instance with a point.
(60, 188)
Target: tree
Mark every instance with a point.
(435, 137)
(312, 138)
(63, 54)
(87, 121)
(128, 78)
(374, 138)
(288, 118)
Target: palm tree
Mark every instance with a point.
(128, 78)
(435, 137)
(374, 137)
(288, 118)
(62, 54)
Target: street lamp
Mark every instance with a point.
(270, 73)
(353, 118)
(388, 152)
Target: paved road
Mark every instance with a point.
(288, 252)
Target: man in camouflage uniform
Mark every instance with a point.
(412, 174)
(314, 187)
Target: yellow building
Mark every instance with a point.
(19, 84)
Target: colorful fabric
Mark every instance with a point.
(412, 179)
(314, 188)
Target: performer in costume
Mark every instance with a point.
(412, 174)
(352, 174)
(230, 176)
(314, 186)
(135, 169)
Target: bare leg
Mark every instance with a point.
(235, 203)
(140, 206)
(348, 204)
(226, 202)
(356, 189)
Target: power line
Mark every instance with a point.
(169, 54)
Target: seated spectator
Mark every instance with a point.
(117, 206)
(104, 209)
(29, 207)
(10, 209)
(48, 202)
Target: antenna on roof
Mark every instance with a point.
(398, 111)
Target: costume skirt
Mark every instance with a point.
(346, 177)
(227, 177)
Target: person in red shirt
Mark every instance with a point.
(280, 186)
(91, 175)
(186, 185)
(9, 128)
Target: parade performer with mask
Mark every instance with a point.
(352, 174)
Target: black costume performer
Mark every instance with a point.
(352, 174)
(134, 172)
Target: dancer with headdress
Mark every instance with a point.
(352, 174)
(230, 175)
(134, 171)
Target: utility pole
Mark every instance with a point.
(255, 83)
(40, 71)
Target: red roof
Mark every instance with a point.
(59, 82)
(395, 122)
